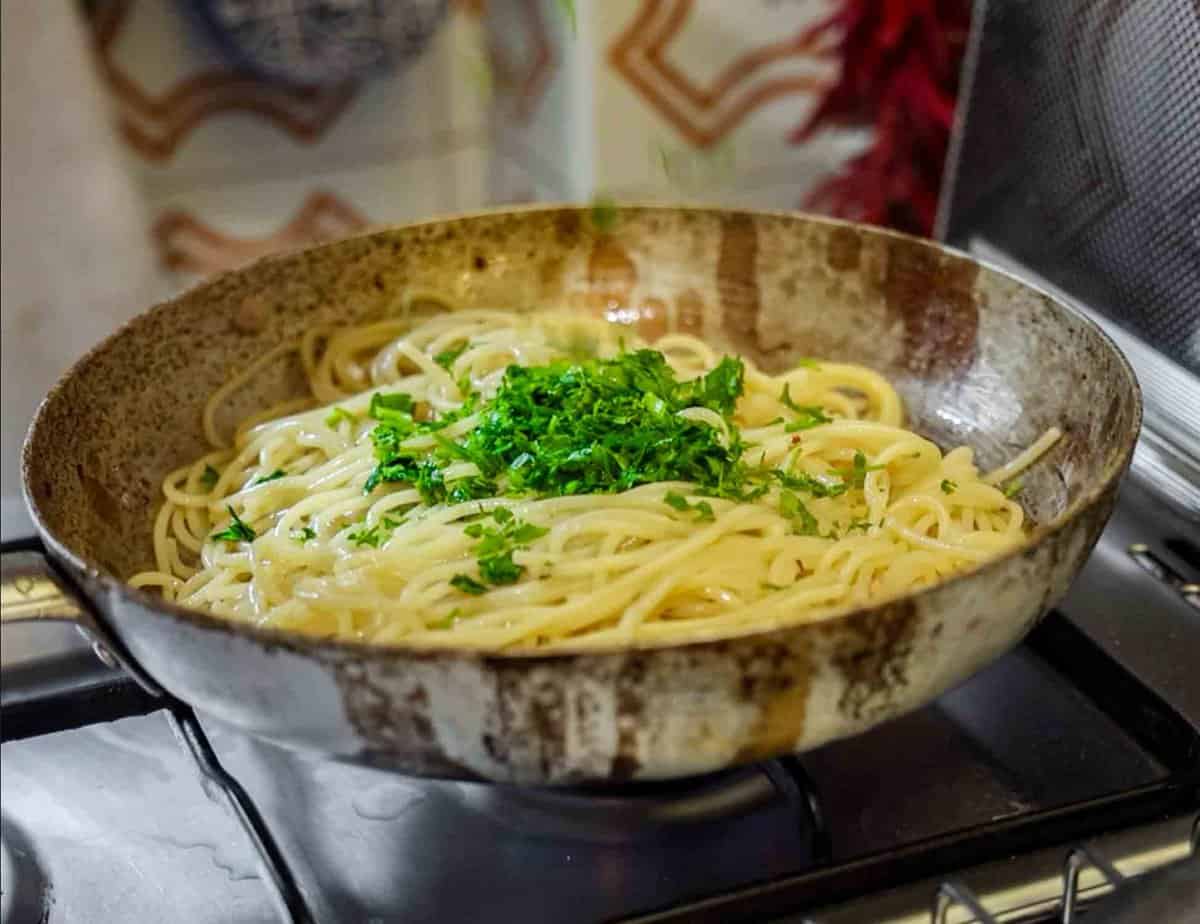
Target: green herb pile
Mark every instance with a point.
(596, 426)
(580, 426)
(593, 426)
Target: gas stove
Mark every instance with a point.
(1050, 779)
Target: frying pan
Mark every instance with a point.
(979, 357)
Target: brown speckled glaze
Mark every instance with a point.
(979, 358)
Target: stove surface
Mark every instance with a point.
(1090, 729)
(111, 822)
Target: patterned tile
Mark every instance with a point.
(190, 245)
(704, 111)
(521, 55)
(155, 124)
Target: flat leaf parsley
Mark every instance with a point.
(209, 478)
(807, 415)
(274, 476)
(586, 425)
(236, 531)
(592, 427)
(702, 509)
(495, 550)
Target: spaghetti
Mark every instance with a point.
(456, 481)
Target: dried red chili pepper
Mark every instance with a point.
(900, 68)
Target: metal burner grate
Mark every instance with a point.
(639, 812)
(953, 894)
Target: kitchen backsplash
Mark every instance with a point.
(197, 165)
(234, 165)
(507, 101)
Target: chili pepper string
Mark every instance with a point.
(900, 62)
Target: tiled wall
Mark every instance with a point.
(233, 166)
(674, 99)
(511, 101)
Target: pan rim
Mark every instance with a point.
(318, 647)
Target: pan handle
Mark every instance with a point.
(33, 590)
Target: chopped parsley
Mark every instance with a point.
(210, 477)
(446, 358)
(467, 584)
(397, 464)
(304, 535)
(467, 489)
(809, 415)
(274, 476)
(604, 426)
(589, 427)
(858, 472)
(803, 522)
(424, 475)
(236, 531)
(500, 568)
(702, 509)
(1013, 487)
(704, 512)
(337, 415)
(948, 486)
(496, 545)
(390, 406)
(373, 536)
(447, 621)
(810, 485)
(377, 535)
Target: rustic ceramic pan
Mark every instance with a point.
(979, 358)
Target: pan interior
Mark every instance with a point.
(979, 358)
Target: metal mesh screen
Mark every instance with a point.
(1080, 156)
